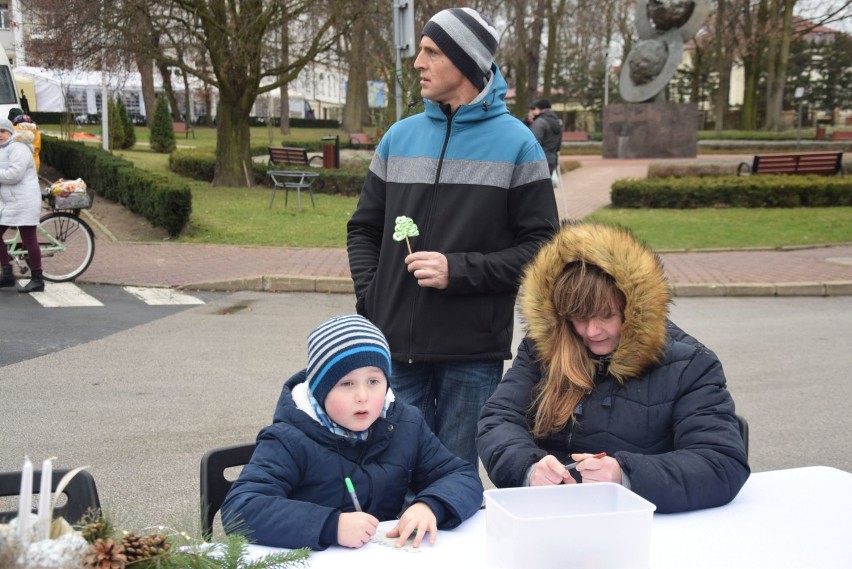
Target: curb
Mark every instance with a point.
(337, 285)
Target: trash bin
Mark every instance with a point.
(331, 152)
(820, 133)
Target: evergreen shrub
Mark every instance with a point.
(161, 200)
(733, 191)
(162, 133)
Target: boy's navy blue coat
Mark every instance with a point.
(294, 484)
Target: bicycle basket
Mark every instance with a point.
(70, 194)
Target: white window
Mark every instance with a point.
(5, 22)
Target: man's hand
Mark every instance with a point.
(429, 268)
(355, 529)
(417, 518)
(549, 471)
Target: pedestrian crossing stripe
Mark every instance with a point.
(57, 295)
(162, 296)
(69, 295)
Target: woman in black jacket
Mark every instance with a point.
(602, 370)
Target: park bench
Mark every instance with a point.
(841, 135)
(575, 136)
(359, 139)
(291, 156)
(823, 163)
(183, 128)
(292, 179)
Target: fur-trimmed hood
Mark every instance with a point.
(638, 273)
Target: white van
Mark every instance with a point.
(8, 87)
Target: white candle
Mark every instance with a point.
(44, 498)
(25, 500)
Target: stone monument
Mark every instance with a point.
(647, 126)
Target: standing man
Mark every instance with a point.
(547, 128)
(475, 182)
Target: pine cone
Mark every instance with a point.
(137, 548)
(95, 527)
(105, 554)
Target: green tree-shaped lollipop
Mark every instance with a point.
(405, 228)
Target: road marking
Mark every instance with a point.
(162, 296)
(62, 295)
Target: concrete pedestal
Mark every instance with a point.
(650, 130)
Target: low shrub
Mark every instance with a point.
(200, 165)
(733, 191)
(699, 168)
(161, 200)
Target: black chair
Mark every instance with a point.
(81, 494)
(214, 484)
(743, 431)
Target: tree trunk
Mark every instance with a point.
(356, 82)
(782, 63)
(149, 97)
(284, 91)
(534, 49)
(723, 67)
(166, 74)
(554, 16)
(232, 139)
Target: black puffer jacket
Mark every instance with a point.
(547, 129)
(662, 409)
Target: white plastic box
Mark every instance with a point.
(602, 525)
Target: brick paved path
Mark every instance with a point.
(813, 271)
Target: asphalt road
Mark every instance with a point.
(141, 406)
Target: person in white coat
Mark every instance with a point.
(20, 205)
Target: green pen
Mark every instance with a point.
(353, 495)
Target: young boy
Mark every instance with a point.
(337, 420)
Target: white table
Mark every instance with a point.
(797, 518)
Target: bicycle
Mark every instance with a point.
(67, 243)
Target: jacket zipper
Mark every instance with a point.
(428, 225)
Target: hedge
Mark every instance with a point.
(733, 191)
(200, 165)
(161, 200)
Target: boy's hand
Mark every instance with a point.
(355, 529)
(417, 518)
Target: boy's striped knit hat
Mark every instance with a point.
(468, 38)
(341, 345)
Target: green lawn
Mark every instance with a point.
(241, 216)
(733, 227)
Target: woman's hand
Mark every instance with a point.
(417, 518)
(592, 469)
(549, 471)
(355, 529)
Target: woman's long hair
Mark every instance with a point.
(582, 291)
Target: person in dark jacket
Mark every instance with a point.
(547, 128)
(602, 369)
(337, 423)
(475, 182)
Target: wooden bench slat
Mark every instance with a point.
(826, 163)
(360, 139)
(575, 136)
(183, 128)
(290, 155)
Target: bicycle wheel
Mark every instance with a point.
(67, 246)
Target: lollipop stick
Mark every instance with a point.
(407, 242)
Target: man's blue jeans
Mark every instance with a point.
(450, 395)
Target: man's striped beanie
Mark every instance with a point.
(341, 345)
(466, 37)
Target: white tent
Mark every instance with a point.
(58, 90)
